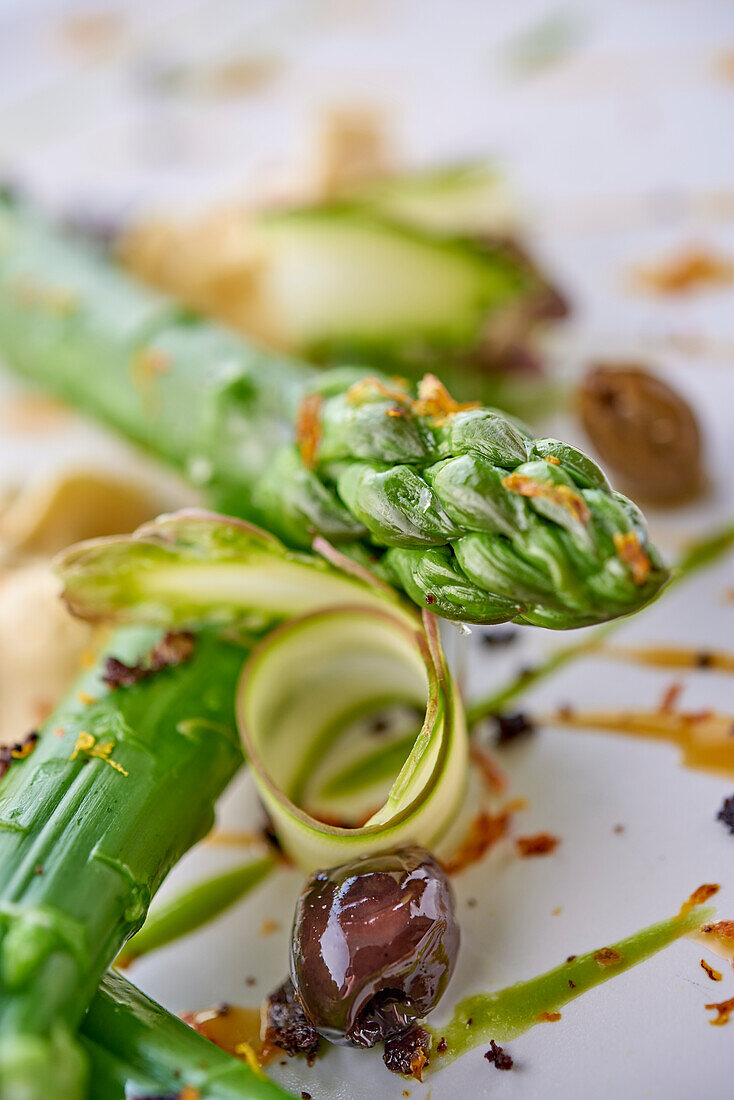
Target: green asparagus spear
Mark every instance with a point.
(121, 782)
(457, 505)
(143, 1043)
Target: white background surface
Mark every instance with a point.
(622, 150)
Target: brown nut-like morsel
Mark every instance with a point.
(374, 944)
(645, 431)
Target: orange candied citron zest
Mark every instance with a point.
(434, 400)
(368, 388)
(714, 975)
(417, 1062)
(564, 495)
(699, 897)
(485, 830)
(723, 1010)
(629, 549)
(549, 1017)
(308, 428)
(542, 844)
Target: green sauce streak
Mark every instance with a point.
(510, 1012)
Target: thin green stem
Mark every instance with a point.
(195, 906)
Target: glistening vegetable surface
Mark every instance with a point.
(456, 504)
(121, 783)
(353, 650)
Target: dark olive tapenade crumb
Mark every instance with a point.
(18, 751)
(286, 1024)
(173, 649)
(726, 813)
(508, 727)
(408, 1053)
(499, 637)
(497, 1056)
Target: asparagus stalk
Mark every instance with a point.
(138, 1042)
(459, 506)
(120, 784)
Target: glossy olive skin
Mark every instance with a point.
(374, 944)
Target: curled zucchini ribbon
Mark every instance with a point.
(334, 645)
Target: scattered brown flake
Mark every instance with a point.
(485, 830)
(496, 1056)
(549, 1017)
(671, 695)
(38, 870)
(607, 956)
(511, 725)
(721, 929)
(308, 428)
(17, 751)
(629, 550)
(493, 778)
(435, 401)
(471, 903)
(699, 897)
(305, 1095)
(269, 926)
(725, 64)
(571, 985)
(286, 1025)
(174, 648)
(542, 844)
(571, 958)
(442, 1046)
(693, 268)
(714, 975)
(408, 1053)
(563, 495)
(249, 980)
(723, 1012)
(618, 829)
(557, 911)
(726, 813)
(430, 599)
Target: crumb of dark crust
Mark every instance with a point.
(704, 659)
(286, 1025)
(498, 639)
(607, 956)
(726, 813)
(9, 754)
(618, 829)
(305, 1095)
(442, 1046)
(571, 958)
(470, 1021)
(471, 903)
(408, 1053)
(572, 985)
(508, 727)
(378, 725)
(565, 711)
(173, 649)
(430, 599)
(496, 1056)
(542, 844)
(250, 981)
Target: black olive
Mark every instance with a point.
(374, 944)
